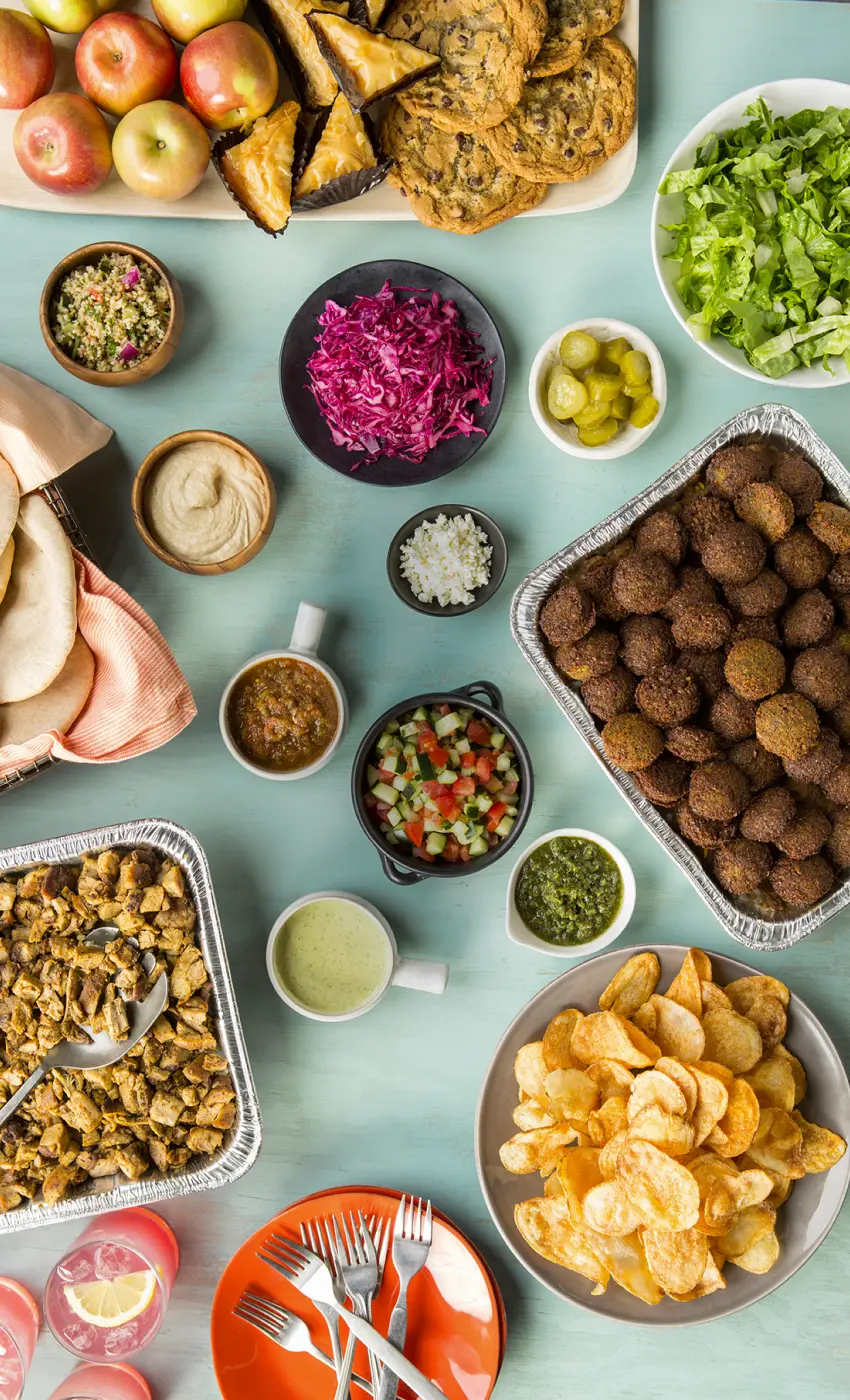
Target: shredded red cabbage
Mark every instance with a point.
(393, 377)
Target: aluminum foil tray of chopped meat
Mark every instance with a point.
(179, 1113)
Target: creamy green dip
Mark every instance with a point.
(569, 890)
(331, 956)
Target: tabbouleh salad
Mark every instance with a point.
(107, 315)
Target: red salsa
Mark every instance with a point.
(283, 714)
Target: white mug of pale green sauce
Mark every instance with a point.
(333, 956)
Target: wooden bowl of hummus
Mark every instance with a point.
(203, 502)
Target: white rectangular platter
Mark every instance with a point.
(211, 201)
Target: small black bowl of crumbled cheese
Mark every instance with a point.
(447, 561)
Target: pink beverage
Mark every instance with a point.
(112, 1246)
(18, 1331)
(103, 1383)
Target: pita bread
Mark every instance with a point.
(10, 493)
(38, 616)
(56, 707)
(6, 566)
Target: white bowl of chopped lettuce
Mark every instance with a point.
(754, 207)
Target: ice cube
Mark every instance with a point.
(112, 1260)
(80, 1335)
(76, 1268)
(122, 1341)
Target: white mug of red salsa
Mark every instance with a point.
(303, 647)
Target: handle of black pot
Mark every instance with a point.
(399, 875)
(491, 693)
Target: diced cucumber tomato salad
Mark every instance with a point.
(442, 784)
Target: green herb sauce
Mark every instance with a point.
(569, 891)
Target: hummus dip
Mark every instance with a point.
(205, 502)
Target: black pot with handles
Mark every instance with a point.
(408, 869)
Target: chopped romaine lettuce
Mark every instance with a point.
(764, 238)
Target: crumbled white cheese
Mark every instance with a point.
(445, 559)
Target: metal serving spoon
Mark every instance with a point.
(102, 1050)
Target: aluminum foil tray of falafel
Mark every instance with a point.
(699, 641)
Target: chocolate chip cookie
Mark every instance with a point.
(568, 125)
(452, 180)
(571, 26)
(485, 46)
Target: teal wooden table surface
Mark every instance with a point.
(390, 1098)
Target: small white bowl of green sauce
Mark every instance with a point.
(332, 956)
(571, 892)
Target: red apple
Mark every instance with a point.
(62, 143)
(123, 60)
(68, 16)
(27, 64)
(161, 150)
(229, 75)
(185, 19)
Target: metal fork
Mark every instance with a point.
(312, 1277)
(319, 1240)
(359, 1266)
(286, 1329)
(411, 1244)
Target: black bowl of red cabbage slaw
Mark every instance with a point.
(414, 412)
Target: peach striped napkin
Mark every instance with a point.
(140, 698)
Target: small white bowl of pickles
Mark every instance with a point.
(597, 388)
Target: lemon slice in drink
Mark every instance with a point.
(112, 1302)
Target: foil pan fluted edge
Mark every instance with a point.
(764, 423)
(241, 1146)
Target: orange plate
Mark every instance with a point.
(457, 1329)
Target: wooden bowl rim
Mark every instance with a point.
(153, 459)
(150, 364)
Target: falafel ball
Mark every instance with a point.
(755, 669)
(764, 628)
(567, 616)
(822, 674)
(760, 598)
(805, 835)
(718, 790)
(592, 656)
(840, 721)
(801, 559)
(802, 883)
(706, 667)
(741, 865)
(799, 480)
(809, 620)
(632, 741)
(732, 717)
(646, 643)
(819, 762)
(695, 586)
(702, 514)
(787, 725)
(836, 784)
(766, 507)
(838, 845)
(831, 524)
(758, 766)
(734, 554)
(594, 576)
(611, 694)
(692, 744)
(668, 695)
(767, 816)
(665, 781)
(838, 577)
(703, 626)
(661, 533)
(734, 467)
(642, 583)
(701, 831)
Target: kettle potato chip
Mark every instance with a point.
(666, 1129)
